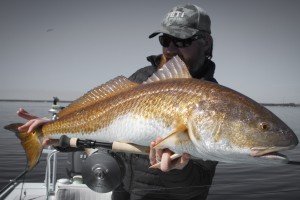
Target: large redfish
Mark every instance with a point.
(204, 119)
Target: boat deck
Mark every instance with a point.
(38, 191)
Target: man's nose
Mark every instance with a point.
(172, 50)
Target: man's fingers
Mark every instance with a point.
(165, 164)
(33, 124)
(158, 151)
(38, 122)
(26, 126)
(181, 162)
(155, 154)
(173, 157)
(24, 114)
(152, 153)
(165, 159)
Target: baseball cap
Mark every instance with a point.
(184, 21)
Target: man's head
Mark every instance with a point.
(186, 32)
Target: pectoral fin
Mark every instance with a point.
(177, 140)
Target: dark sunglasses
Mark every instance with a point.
(165, 40)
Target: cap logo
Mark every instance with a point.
(176, 14)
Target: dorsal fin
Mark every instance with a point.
(106, 90)
(174, 68)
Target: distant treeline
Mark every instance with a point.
(67, 101)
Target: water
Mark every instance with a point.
(231, 181)
(12, 157)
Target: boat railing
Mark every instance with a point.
(50, 176)
(51, 171)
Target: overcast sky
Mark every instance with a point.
(65, 48)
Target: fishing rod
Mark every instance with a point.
(66, 142)
(11, 184)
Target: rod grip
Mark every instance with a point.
(130, 148)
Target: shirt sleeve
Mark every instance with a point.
(142, 74)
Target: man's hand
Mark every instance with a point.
(33, 122)
(164, 157)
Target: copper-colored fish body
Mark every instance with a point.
(204, 119)
(157, 107)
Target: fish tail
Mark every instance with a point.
(30, 142)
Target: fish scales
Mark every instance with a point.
(168, 102)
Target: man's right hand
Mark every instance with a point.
(33, 122)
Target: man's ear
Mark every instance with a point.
(208, 45)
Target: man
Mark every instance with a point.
(185, 31)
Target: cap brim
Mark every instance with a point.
(154, 34)
(176, 31)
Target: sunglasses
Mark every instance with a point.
(165, 40)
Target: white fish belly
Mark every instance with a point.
(134, 129)
(128, 128)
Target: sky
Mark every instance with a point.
(64, 48)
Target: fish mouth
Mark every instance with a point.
(270, 153)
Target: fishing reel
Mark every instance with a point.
(103, 171)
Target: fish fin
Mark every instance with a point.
(178, 137)
(174, 68)
(104, 91)
(30, 142)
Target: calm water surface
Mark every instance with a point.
(231, 181)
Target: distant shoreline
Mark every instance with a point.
(281, 104)
(68, 101)
(25, 100)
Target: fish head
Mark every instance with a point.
(239, 130)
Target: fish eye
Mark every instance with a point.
(264, 126)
